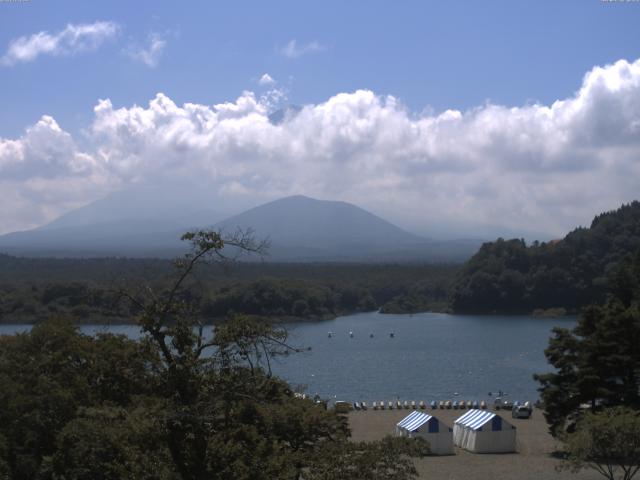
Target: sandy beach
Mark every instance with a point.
(533, 460)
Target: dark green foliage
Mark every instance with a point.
(607, 442)
(598, 362)
(87, 290)
(388, 459)
(48, 374)
(506, 276)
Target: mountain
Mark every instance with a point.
(298, 228)
(144, 221)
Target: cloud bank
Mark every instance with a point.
(534, 167)
(71, 40)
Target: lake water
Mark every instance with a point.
(431, 356)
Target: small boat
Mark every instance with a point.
(455, 394)
(363, 405)
(351, 334)
(371, 335)
(390, 405)
(330, 334)
(375, 405)
(455, 404)
(422, 405)
(483, 405)
(391, 334)
(413, 404)
(434, 404)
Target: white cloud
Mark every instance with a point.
(69, 41)
(294, 50)
(266, 79)
(541, 167)
(151, 53)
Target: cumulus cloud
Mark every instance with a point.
(150, 53)
(541, 167)
(295, 50)
(74, 38)
(266, 79)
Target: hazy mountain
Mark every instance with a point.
(145, 221)
(304, 229)
(148, 223)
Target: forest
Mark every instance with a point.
(90, 290)
(507, 276)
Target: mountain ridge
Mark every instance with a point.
(299, 228)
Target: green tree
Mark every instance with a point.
(598, 362)
(607, 442)
(181, 403)
(226, 415)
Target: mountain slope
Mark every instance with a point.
(303, 221)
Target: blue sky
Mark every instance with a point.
(428, 54)
(453, 116)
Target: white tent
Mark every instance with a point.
(439, 436)
(480, 431)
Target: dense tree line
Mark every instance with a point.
(509, 276)
(87, 290)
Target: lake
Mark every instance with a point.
(430, 357)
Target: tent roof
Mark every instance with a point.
(414, 421)
(475, 419)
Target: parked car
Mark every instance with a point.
(521, 411)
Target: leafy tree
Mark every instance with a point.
(182, 403)
(598, 362)
(608, 442)
(225, 415)
(389, 459)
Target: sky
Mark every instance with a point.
(455, 117)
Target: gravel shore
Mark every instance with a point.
(533, 460)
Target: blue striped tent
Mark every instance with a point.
(439, 435)
(481, 431)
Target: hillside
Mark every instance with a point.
(509, 276)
